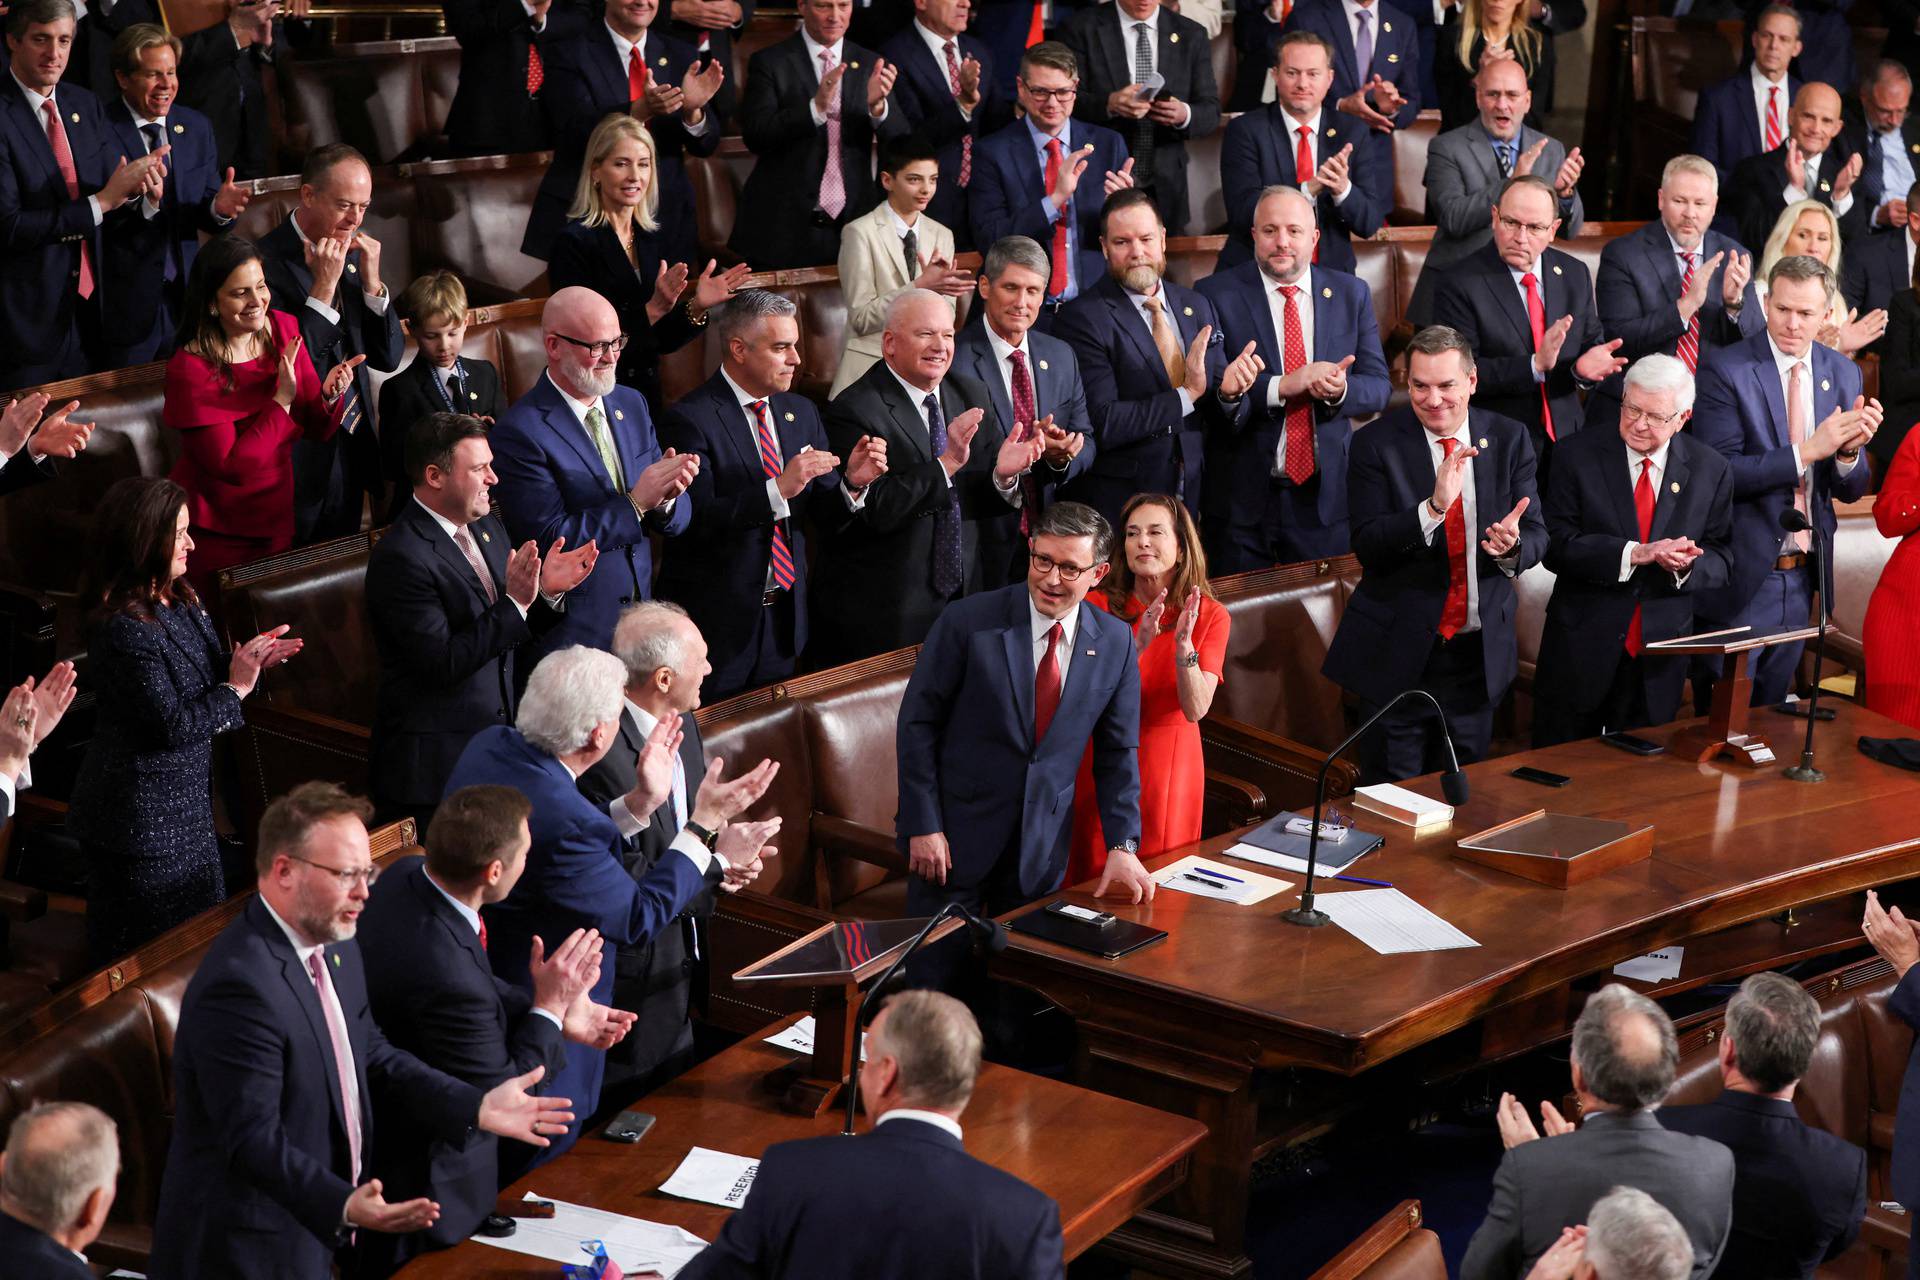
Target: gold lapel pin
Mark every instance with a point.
(1393, 57)
(1186, 311)
(485, 536)
(1825, 385)
(76, 117)
(1676, 486)
(473, 395)
(663, 62)
(336, 959)
(1174, 38)
(1556, 269)
(1043, 364)
(1326, 292)
(853, 66)
(788, 417)
(1387, 27)
(1332, 132)
(179, 128)
(352, 270)
(1826, 186)
(619, 416)
(1483, 442)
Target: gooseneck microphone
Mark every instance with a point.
(1453, 784)
(1793, 520)
(988, 935)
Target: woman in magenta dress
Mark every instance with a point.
(1159, 583)
(240, 390)
(1893, 612)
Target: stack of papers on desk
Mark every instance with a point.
(713, 1177)
(1243, 887)
(1656, 966)
(1390, 922)
(640, 1247)
(1402, 805)
(1272, 845)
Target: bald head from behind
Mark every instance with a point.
(1625, 1054)
(59, 1171)
(573, 321)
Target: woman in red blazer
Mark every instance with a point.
(240, 391)
(1893, 611)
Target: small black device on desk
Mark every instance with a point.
(1633, 742)
(1078, 927)
(1527, 773)
(628, 1126)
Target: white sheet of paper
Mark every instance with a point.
(1390, 922)
(1251, 888)
(1268, 858)
(1657, 966)
(637, 1245)
(798, 1038)
(713, 1177)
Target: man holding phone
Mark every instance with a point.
(1168, 97)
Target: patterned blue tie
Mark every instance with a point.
(947, 572)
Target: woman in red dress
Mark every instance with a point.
(240, 390)
(1159, 583)
(1893, 613)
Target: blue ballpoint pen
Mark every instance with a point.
(1218, 875)
(1381, 884)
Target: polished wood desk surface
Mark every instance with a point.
(1730, 844)
(1102, 1159)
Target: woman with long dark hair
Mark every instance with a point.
(142, 807)
(240, 391)
(1159, 584)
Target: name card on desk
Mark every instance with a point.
(713, 1177)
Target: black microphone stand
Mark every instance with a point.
(1453, 783)
(1817, 556)
(995, 936)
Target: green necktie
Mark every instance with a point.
(603, 441)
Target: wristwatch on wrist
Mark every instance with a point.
(711, 839)
(1129, 846)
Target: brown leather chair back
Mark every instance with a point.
(1674, 59)
(273, 200)
(523, 351)
(321, 592)
(1191, 259)
(1373, 263)
(761, 31)
(823, 327)
(468, 216)
(745, 731)
(716, 199)
(850, 742)
(1410, 170)
(1283, 621)
(1409, 254)
(1396, 1247)
(1533, 588)
(371, 100)
(1206, 197)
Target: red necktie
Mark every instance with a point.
(770, 465)
(1643, 511)
(1046, 686)
(1293, 353)
(63, 161)
(1690, 340)
(483, 933)
(1537, 321)
(636, 75)
(1774, 137)
(1024, 413)
(536, 72)
(1286, 10)
(1037, 25)
(966, 140)
(336, 1021)
(1057, 282)
(1453, 615)
(1303, 170)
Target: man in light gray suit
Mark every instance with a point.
(1624, 1059)
(1466, 167)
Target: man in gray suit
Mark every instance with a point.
(1466, 167)
(1624, 1059)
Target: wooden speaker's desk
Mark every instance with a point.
(1186, 1024)
(1101, 1158)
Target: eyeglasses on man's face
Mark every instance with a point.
(598, 350)
(347, 879)
(1047, 564)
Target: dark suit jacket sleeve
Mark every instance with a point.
(436, 1101)
(1454, 205)
(1899, 371)
(1370, 193)
(435, 653)
(1116, 422)
(1533, 528)
(1385, 532)
(1717, 423)
(1204, 97)
(1640, 333)
(1714, 568)
(1369, 386)
(908, 489)
(534, 508)
(20, 470)
(1116, 765)
(769, 122)
(1904, 1002)
(1046, 1254)
(1072, 415)
(1240, 177)
(924, 712)
(1574, 550)
(240, 1049)
(744, 1248)
(1494, 1252)
(1856, 1211)
(596, 886)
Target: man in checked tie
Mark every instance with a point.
(1010, 689)
(1674, 286)
(1445, 516)
(1789, 417)
(1639, 527)
(1277, 467)
(64, 179)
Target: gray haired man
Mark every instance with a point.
(766, 474)
(57, 1181)
(1624, 1059)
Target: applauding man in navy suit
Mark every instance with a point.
(1010, 688)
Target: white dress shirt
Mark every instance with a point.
(472, 918)
(1128, 36)
(1277, 311)
(937, 46)
(1314, 149)
(1430, 524)
(581, 408)
(645, 721)
(837, 48)
(1761, 85)
(933, 1118)
(376, 302)
(624, 49)
(36, 106)
(11, 787)
(1145, 313)
(1655, 478)
(1041, 624)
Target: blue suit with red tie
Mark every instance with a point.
(1259, 151)
(554, 484)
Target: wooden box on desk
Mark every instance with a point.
(1557, 849)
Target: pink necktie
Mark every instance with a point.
(342, 1056)
(465, 541)
(966, 140)
(833, 185)
(63, 161)
(1797, 433)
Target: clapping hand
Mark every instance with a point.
(1504, 536)
(969, 95)
(1529, 158)
(571, 971)
(1066, 179)
(803, 469)
(339, 378)
(326, 259)
(879, 85)
(1599, 362)
(699, 85)
(1562, 1259)
(717, 803)
(1147, 625)
(511, 1112)
(1327, 381)
(1739, 272)
(51, 696)
(1547, 354)
(1240, 372)
(1892, 935)
(1063, 446)
(1451, 477)
(960, 440)
(742, 846)
(595, 1025)
(1332, 175)
(1119, 179)
(523, 573)
(562, 570)
(668, 284)
(289, 371)
(653, 768)
(1849, 174)
(18, 420)
(268, 649)
(1196, 383)
(712, 289)
(942, 277)
(1516, 1126)
(1695, 296)
(1674, 554)
(1796, 164)
(231, 200)
(1568, 178)
(368, 1210)
(19, 716)
(59, 436)
(1361, 103)
(1017, 455)
(867, 462)
(1189, 618)
(666, 479)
